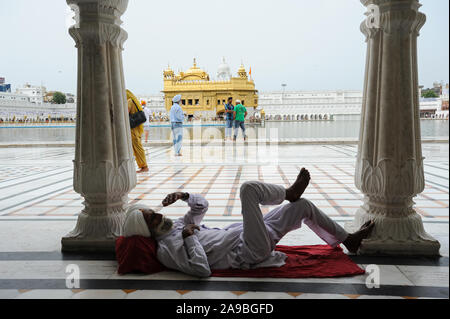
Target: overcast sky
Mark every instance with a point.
(309, 45)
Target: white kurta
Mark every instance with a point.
(245, 245)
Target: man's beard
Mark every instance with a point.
(163, 228)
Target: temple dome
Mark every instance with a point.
(223, 71)
(241, 72)
(195, 73)
(168, 73)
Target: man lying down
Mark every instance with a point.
(195, 249)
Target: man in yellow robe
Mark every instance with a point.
(136, 134)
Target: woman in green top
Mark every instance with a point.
(240, 112)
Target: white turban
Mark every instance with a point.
(135, 224)
(176, 99)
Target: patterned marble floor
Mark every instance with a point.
(38, 206)
(38, 182)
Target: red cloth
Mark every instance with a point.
(138, 254)
(320, 261)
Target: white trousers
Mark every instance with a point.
(262, 233)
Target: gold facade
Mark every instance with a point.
(200, 94)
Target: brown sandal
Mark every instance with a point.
(143, 170)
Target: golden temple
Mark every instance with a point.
(203, 97)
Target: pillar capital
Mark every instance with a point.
(393, 17)
(98, 22)
(104, 7)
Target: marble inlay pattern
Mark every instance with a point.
(37, 200)
(39, 183)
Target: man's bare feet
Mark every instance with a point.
(353, 241)
(143, 170)
(294, 192)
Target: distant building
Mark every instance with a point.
(18, 107)
(436, 108)
(14, 99)
(223, 71)
(28, 104)
(4, 87)
(324, 104)
(443, 112)
(35, 93)
(309, 104)
(206, 98)
(154, 102)
(71, 98)
(48, 97)
(429, 107)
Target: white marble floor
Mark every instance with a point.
(38, 206)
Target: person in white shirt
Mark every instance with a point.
(176, 120)
(148, 114)
(187, 246)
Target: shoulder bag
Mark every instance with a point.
(137, 118)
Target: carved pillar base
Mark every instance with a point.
(96, 232)
(395, 236)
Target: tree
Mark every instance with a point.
(429, 94)
(59, 98)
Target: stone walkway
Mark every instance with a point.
(38, 181)
(38, 206)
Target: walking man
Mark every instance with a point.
(176, 120)
(240, 113)
(229, 118)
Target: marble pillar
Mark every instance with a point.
(104, 170)
(389, 167)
